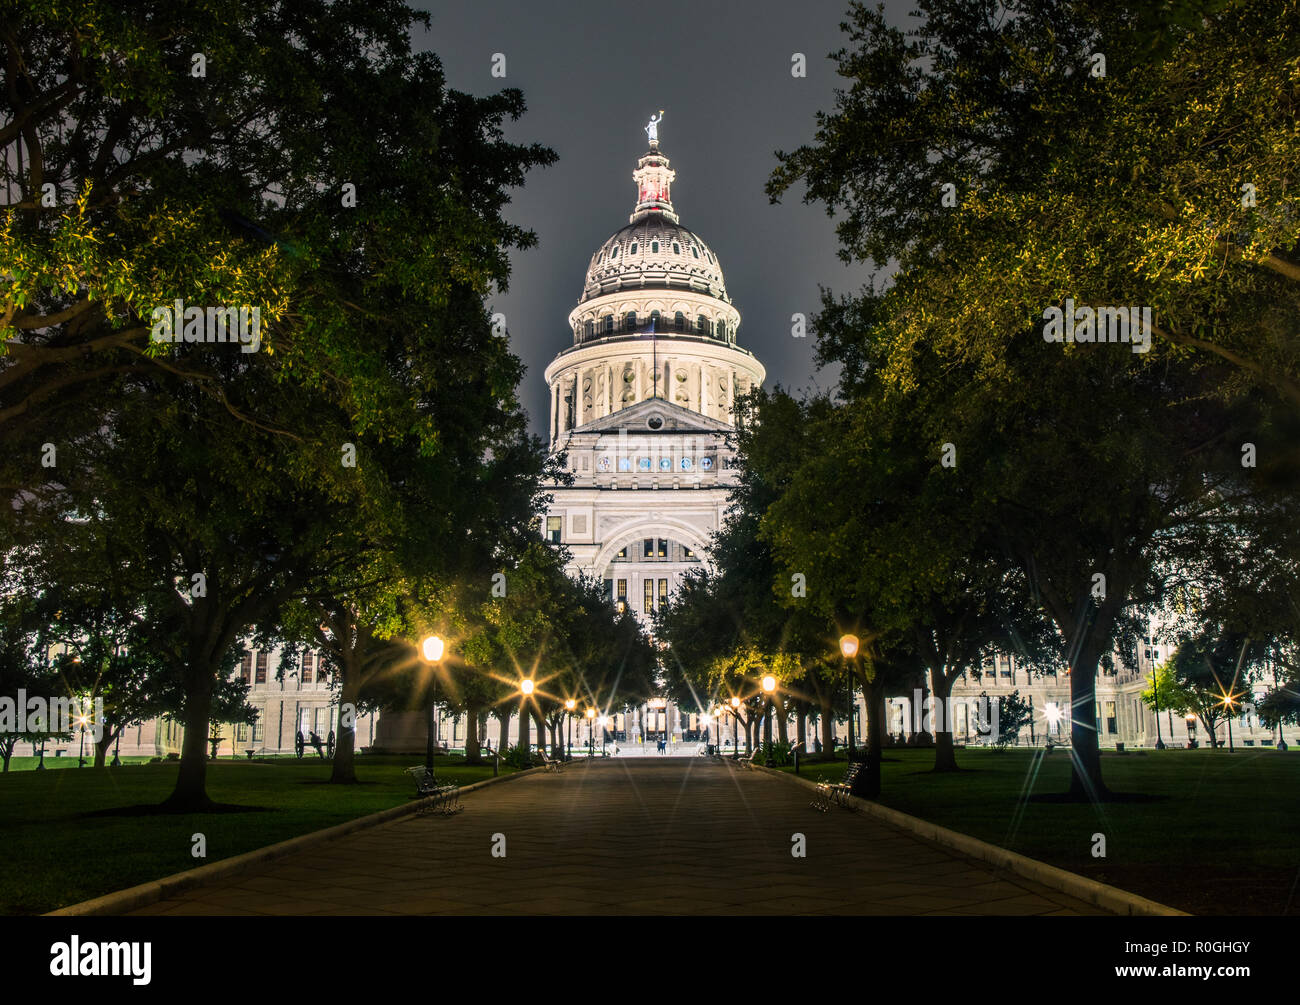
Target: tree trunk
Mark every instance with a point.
(344, 769)
(874, 693)
(190, 794)
(1085, 759)
(7, 751)
(827, 718)
(524, 738)
(801, 730)
(101, 747)
(472, 755)
(945, 754)
(782, 727)
(503, 731)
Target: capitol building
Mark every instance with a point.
(642, 401)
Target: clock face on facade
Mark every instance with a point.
(643, 463)
(603, 464)
(625, 464)
(687, 464)
(665, 463)
(706, 463)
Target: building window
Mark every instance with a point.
(649, 547)
(609, 589)
(679, 322)
(588, 330)
(643, 463)
(613, 253)
(307, 660)
(241, 732)
(687, 553)
(257, 731)
(629, 320)
(632, 249)
(622, 553)
(1110, 718)
(553, 526)
(654, 321)
(246, 666)
(663, 593)
(695, 251)
(677, 248)
(654, 247)
(261, 667)
(649, 596)
(663, 548)
(625, 464)
(702, 324)
(622, 592)
(607, 324)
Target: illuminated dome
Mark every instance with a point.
(654, 275)
(654, 331)
(654, 252)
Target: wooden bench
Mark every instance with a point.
(837, 793)
(547, 762)
(445, 799)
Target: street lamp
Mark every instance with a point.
(526, 688)
(849, 649)
(431, 648)
(735, 727)
(1191, 728)
(769, 688)
(1155, 697)
(705, 719)
(569, 706)
(81, 756)
(591, 732)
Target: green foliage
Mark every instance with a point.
(518, 757)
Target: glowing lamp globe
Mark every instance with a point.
(432, 648)
(769, 683)
(849, 646)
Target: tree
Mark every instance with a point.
(1005, 111)
(229, 473)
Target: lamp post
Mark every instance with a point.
(1191, 727)
(81, 755)
(603, 720)
(431, 648)
(735, 728)
(569, 706)
(769, 688)
(591, 732)
(526, 687)
(849, 649)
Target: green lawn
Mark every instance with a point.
(56, 854)
(1224, 838)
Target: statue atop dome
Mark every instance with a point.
(652, 129)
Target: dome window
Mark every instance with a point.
(654, 247)
(677, 248)
(601, 258)
(654, 320)
(629, 320)
(695, 251)
(588, 330)
(607, 324)
(702, 325)
(613, 253)
(632, 249)
(679, 322)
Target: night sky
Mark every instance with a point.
(592, 74)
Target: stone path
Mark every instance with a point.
(671, 836)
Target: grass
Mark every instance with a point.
(1221, 836)
(59, 853)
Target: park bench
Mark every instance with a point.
(548, 762)
(445, 799)
(837, 793)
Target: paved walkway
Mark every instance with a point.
(656, 836)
